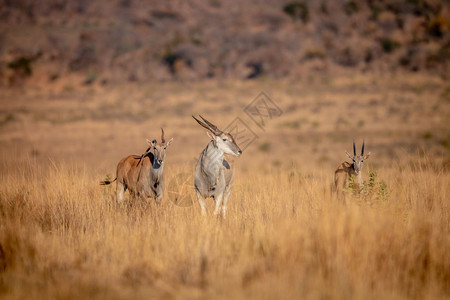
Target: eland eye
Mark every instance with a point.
(224, 140)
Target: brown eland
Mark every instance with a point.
(142, 174)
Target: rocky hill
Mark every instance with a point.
(104, 41)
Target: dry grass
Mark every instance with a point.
(62, 236)
(285, 236)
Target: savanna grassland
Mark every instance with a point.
(285, 235)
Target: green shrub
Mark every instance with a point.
(374, 189)
(371, 191)
(91, 76)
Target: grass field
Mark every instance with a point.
(285, 235)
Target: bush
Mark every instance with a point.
(315, 53)
(373, 189)
(377, 9)
(351, 7)
(91, 76)
(346, 57)
(438, 26)
(170, 59)
(324, 8)
(22, 65)
(439, 57)
(446, 94)
(297, 10)
(370, 191)
(389, 45)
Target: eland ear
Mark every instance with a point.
(151, 143)
(212, 136)
(169, 142)
(367, 156)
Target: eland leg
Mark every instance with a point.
(120, 190)
(226, 195)
(202, 202)
(158, 196)
(159, 191)
(218, 203)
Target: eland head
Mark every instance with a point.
(158, 150)
(358, 160)
(221, 140)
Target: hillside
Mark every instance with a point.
(100, 42)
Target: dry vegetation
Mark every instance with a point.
(84, 83)
(62, 236)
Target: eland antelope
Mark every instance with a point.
(213, 173)
(347, 170)
(142, 174)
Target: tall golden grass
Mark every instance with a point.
(285, 236)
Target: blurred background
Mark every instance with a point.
(107, 41)
(88, 81)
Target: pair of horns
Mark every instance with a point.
(354, 148)
(208, 125)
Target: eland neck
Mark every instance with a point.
(357, 174)
(157, 174)
(211, 160)
(157, 171)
